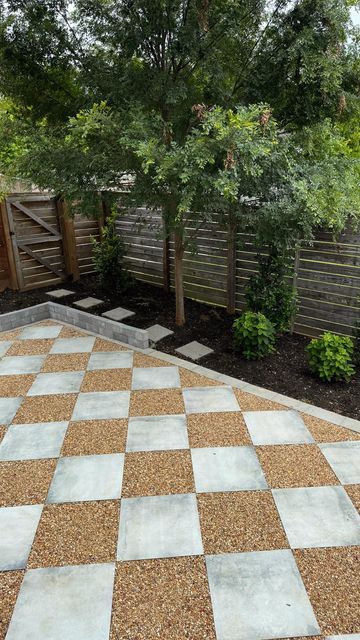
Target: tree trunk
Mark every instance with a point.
(179, 283)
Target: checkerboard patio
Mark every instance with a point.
(139, 500)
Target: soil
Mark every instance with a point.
(285, 371)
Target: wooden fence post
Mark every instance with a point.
(295, 278)
(14, 282)
(68, 241)
(166, 257)
(231, 265)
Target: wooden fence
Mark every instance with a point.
(327, 274)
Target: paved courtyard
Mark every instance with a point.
(140, 500)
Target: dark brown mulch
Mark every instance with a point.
(285, 371)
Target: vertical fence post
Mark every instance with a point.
(69, 241)
(294, 283)
(231, 264)
(166, 256)
(13, 273)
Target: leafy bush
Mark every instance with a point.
(269, 292)
(254, 335)
(109, 258)
(330, 357)
(356, 334)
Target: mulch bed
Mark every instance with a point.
(285, 371)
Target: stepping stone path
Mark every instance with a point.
(194, 350)
(118, 314)
(88, 303)
(157, 332)
(60, 293)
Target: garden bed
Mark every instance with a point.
(285, 371)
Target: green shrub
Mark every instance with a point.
(330, 357)
(356, 334)
(109, 259)
(254, 335)
(270, 293)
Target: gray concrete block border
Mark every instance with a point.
(138, 339)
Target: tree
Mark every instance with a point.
(181, 95)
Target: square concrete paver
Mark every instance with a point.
(84, 478)
(159, 527)
(194, 350)
(73, 345)
(40, 332)
(227, 469)
(4, 346)
(259, 595)
(344, 459)
(102, 405)
(118, 314)
(33, 441)
(17, 530)
(155, 378)
(88, 303)
(210, 400)
(60, 293)
(58, 603)
(152, 433)
(47, 384)
(157, 332)
(276, 427)
(8, 408)
(318, 517)
(110, 360)
(15, 365)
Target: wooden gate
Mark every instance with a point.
(36, 240)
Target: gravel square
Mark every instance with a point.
(86, 478)
(210, 400)
(155, 378)
(191, 379)
(10, 582)
(324, 431)
(54, 383)
(8, 409)
(42, 409)
(318, 517)
(154, 473)
(95, 437)
(226, 469)
(102, 405)
(277, 427)
(15, 365)
(150, 433)
(64, 602)
(110, 360)
(25, 482)
(30, 347)
(259, 595)
(240, 521)
(156, 402)
(11, 386)
(226, 429)
(33, 441)
(88, 303)
(344, 459)
(65, 362)
(159, 527)
(141, 360)
(40, 332)
(73, 345)
(298, 465)
(17, 530)
(76, 533)
(107, 380)
(172, 596)
(102, 344)
(354, 492)
(252, 402)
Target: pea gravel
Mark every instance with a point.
(300, 465)
(30, 347)
(76, 533)
(353, 490)
(226, 429)
(56, 408)
(95, 437)
(10, 335)
(323, 431)
(156, 402)
(70, 332)
(157, 473)
(3, 430)
(234, 522)
(15, 386)
(332, 580)
(167, 599)
(65, 362)
(250, 402)
(141, 360)
(107, 380)
(25, 482)
(191, 379)
(10, 582)
(105, 345)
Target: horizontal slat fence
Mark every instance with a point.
(328, 276)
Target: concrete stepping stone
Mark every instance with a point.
(118, 314)
(157, 332)
(60, 293)
(88, 303)
(194, 350)
(17, 530)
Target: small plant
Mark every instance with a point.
(330, 357)
(270, 292)
(109, 258)
(356, 335)
(254, 335)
